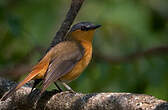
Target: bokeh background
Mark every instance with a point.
(130, 50)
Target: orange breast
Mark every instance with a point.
(81, 65)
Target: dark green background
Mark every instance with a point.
(129, 27)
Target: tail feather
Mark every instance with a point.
(10, 92)
(38, 72)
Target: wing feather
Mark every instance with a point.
(63, 63)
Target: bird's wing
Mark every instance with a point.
(66, 56)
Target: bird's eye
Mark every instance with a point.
(84, 28)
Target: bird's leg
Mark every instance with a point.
(36, 82)
(60, 90)
(67, 87)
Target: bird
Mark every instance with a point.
(64, 61)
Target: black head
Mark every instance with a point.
(84, 26)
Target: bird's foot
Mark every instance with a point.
(71, 91)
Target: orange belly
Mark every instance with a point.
(81, 65)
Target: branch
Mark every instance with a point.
(153, 51)
(70, 16)
(79, 101)
(72, 13)
(20, 69)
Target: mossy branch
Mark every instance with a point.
(79, 101)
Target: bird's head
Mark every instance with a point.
(83, 31)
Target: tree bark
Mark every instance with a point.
(78, 101)
(66, 24)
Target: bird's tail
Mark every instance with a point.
(39, 69)
(27, 79)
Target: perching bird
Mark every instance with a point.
(64, 61)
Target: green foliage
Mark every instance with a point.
(128, 27)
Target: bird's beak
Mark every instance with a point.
(95, 26)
